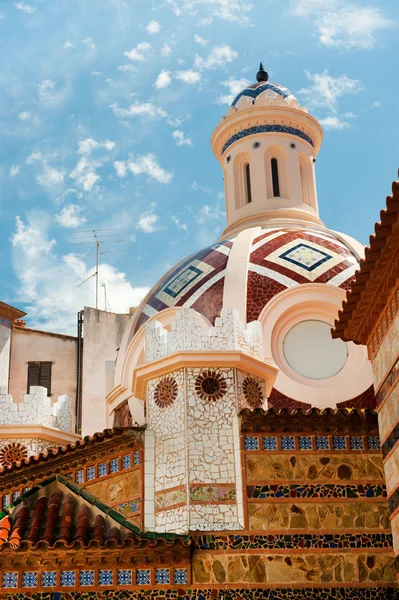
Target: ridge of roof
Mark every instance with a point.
(350, 325)
(57, 451)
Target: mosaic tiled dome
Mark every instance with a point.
(278, 259)
(264, 92)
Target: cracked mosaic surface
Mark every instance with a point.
(365, 490)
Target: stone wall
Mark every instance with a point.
(5, 347)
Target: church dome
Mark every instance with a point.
(277, 259)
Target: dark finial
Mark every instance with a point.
(261, 75)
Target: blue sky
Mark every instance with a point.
(107, 109)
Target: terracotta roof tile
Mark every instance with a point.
(372, 284)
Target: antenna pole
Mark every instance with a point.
(97, 253)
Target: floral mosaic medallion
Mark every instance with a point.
(252, 392)
(210, 385)
(11, 453)
(166, 392)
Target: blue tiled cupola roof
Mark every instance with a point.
(254, 90)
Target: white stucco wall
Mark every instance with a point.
(33, 345)
(103, 333)
(5, 345)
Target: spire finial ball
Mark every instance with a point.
(261, 75)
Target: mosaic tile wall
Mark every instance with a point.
(37, 409)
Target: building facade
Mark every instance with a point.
(240, 456)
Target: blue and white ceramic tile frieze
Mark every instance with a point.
(266, 129)
(126, 461)
(114, 465)
(305, 442)
(143, 577)
(356, 442)
(124, 577)
(68, 578)
(162, 576)
(322, 442)
(251, 443)
(339, 442)
(10, 580)
(287, 442)
(80, 476)
(91, 473)
(102, 469)
(374, 442)
(86, 578)
(29, 579)
(269, 443)
(49, 578)
(105, 577)
(136, 457)
(180, 576)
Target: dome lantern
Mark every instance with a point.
(267, 146)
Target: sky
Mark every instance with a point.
(107, 109)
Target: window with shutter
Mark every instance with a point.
(39, 373)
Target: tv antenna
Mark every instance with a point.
(91, 236)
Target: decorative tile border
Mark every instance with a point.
(303, 541)
(213, 494)
(319, 491)
(391, 440)
(169, 499)
(247, 593)
(87, 579)
(389, 383)
(312, 443)
(383, 325)
(266, 129)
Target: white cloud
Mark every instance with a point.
(14, 170)
(218, 57)
(147, 164)
(163, 80)
(49, 176)
(153, 27)
(209, 213)
(166, 50)
(228, 10)
(48, 283)
(188, 76)
(139, 110)
(51, 93)
(89, 42)
(120, 168)
(178, 136)
(68, 45)
(23, 116)
(126, 68)
(325, 90)
(148, 222)
(342, 24)
(25, 7)
(334, 122)
(140, 53)
(87, 145)
(178, 223)
(235, 86)
(70, 216)
(376, 104)
(199, 40)
(45, 85)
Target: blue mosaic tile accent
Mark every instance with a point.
(105, 577)
(49, 578)
(102, 469)
(162, 576)
(305, 442)
(136, 457)
(356, 442)
(374, 442)
(10, 580)
(6, 499)
(68, 578)
(305, 256)
(339, 442)
(182, 280)
(180, 576)
(124, 577)
(143, 577)
(86, 578)
(251, 443)
(80, 476)
(126, 461)
(15, 495)
(91, 473)
(322, 443)
(29, 579)
(114, 465)
(287, 442)
(269, 443)
(266, 129)
(254, 92)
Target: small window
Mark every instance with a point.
(276, 186)
(248, 183)
(39, 374)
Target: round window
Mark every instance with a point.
(310, 350)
